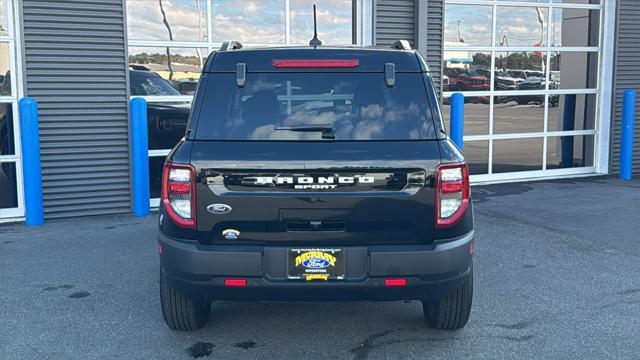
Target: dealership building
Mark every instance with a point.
(543, 80)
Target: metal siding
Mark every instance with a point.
(76, 69)
(435, 39)
(627, 76)
(394, 20)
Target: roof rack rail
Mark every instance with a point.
(401, 45)
(230, 45)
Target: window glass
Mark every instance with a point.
(572, 112)
(5, 8)
(517, 155)
(521, 26)
(334, 21)
(519, 114)
(467, 71)
(178, 20)
(570, 151)
(476, 154)
(476, 115)
(8, 188)
(357, 106)
(5, 74)
(148, 83)
(259, 22)
(520, 71)
(467, 25)
(170, 63)
(575, 27)
(577, 1)
(574, 70)
(156, 163)
(7, 144)
(167, 123)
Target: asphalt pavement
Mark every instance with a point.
(557, 276)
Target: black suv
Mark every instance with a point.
(311, 174)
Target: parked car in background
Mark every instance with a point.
(186, 86)
(467, 80)
(167, 121)
(536, 81)
(504, 81)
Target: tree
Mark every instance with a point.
(166, 23)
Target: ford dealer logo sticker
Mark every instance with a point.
(316, 263)
(219, 208)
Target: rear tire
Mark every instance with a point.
(452, 311)
(180, 312)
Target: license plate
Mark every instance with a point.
(316, 264)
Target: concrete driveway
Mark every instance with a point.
(557, 276)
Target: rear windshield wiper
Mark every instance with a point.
(328, 132)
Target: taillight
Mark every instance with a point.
(452, 193)
(179, 194)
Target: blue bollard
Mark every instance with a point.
(140, 158)
(457, 119)
(626, 143)
(32, 173)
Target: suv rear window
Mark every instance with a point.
(357, 106)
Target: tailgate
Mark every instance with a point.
(317, 193)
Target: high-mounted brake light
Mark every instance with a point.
(235, 282)
(179, 194)
(395, 282)
(452, 193)
(315, 63)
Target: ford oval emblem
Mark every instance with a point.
(219, 208)
(316, 263)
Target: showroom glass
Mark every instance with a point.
(518, 114)
(563, 21)
(8, 188)
(467, 70)
(521, 26)
(11, 203)
(4, 19)
(334, 13)
(572, 112)
(186, 20)
(514, 155)
(476, 120)
(467, 25)
(541, 59)
(261, 22)
(569, 151)
(476, 154)
(574, 70)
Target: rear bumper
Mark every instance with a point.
(431, 271)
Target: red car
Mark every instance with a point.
(466, 80)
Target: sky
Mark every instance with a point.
(515, 26)
(250, 21)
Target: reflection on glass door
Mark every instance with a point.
(11, 186)
(529, 72)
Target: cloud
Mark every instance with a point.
(249, 21)
(144, 20)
